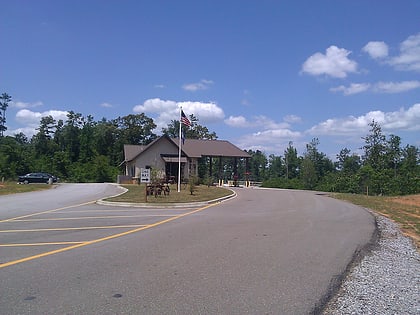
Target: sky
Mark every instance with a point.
(259, 73)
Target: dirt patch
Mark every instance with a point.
(412, 200)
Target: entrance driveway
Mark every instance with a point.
(264, 252)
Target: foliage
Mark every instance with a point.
(384, 169)
(192, 183)
(84, 150)
(79, 149)
(195, 131)
(5, 99)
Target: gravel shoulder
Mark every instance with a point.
(384, 281)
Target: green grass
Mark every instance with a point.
(8, 188)
(136, 194)
(404, 210)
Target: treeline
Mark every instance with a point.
(78, 150)
(384, 168)
(81, 149)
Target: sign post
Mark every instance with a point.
(145, 178)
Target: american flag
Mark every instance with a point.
(184, 119)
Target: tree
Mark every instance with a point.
(195, 131)
(322, 164)
(14, 158)
(291, 161)
(410, 170)
(44, 146)
(4, 103)
(136, 129)
(106, 134)
(347, 180)
(257, 165)
(71, 135)
(393, 153)
(346, 163)
(87, 152)
(308, 173)
(375, 146)
(275, 166)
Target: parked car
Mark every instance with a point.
(37, 178)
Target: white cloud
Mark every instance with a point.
(380, 87)
(272, 137)
(292, 119)
(407, 120)
(25, 105)
(167, 110)
(28, 117)
(334, 63)
(396, 87)
(261, 121)
(354, 88)
(237, 121)
(272, 141)
(267, 123)
(409, 58)
(106, 105)
(376, 50)
(31, 120)
(202, 85)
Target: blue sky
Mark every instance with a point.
(258, 73)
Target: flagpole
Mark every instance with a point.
(179, 151)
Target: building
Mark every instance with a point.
(163, 155)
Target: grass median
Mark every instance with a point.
(137, 194)
(7, 188)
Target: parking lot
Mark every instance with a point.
(31, 236)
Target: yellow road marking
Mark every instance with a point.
(75, 228)
(40, 244)
(124, 210)
(18, 261)
(99, 217)
(43, 212)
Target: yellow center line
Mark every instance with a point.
(43, 212)
(40, 244)
(75, 228)
(18, 261)
(98, 217)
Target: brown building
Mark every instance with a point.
(163, 156)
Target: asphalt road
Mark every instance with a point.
(264, 252)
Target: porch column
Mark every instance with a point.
(220, 171)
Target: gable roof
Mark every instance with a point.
(193, 148)
(131, 151)
(198, 148)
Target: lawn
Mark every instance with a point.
(405, 210)
(136, 194)
(8, 188)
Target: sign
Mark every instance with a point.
(145, 175)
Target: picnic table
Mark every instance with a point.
(157, 189)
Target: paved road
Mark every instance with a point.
(264, 252)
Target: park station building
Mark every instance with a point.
(163, 154)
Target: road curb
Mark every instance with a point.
(163, 205)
